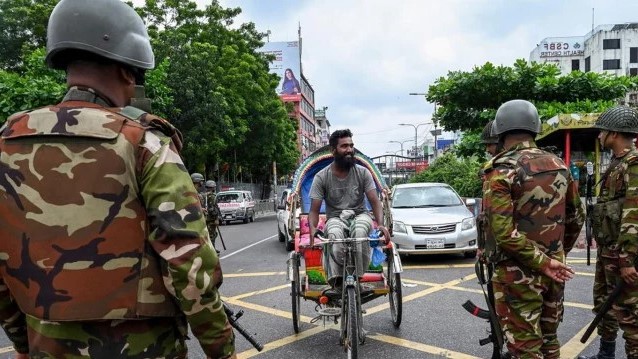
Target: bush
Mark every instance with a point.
(460, 174)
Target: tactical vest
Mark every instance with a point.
(536, 175)
(74, 234)
(607, 213)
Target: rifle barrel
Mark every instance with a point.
(603, 310)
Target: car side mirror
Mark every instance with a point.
(470, 202)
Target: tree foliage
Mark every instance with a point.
(468, 100)
(210, 82)
(460, 173)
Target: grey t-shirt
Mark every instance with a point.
(340, 194)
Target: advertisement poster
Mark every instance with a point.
(287, 64)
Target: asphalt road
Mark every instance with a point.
(434, 324)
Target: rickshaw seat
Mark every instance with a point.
(371, 277)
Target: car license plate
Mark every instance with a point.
(435, 243)
(228, 216)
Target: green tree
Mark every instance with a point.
(23, 25)
(468, 100)
(460, 173)
(224, 98)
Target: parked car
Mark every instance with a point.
(236, 206)
(431, 218)
(284, 222)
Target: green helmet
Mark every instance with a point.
(487, 138)
(618, 119)
(197, 177)
(516, 115)
(107, 28)
(210, 184)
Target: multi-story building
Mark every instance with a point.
(295, 89)
(323, 127)
(607, 48)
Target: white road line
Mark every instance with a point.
(243, 249)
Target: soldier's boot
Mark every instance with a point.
(607, 351)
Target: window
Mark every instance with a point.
(633, 55)
(611, 64)
(576, 65)
(588, 64)
(633, 71)
(609, 44)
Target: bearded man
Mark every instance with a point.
(343, 186)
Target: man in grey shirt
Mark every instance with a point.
(342, 185)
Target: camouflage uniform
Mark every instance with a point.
(212, 215)
(534, 212)
(104, 247)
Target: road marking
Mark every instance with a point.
(585, 274)
(6, 350)
(439, 266)
(264, 309)
(444, 353)
(284, 341)
(573, 347)
(263, 291)
(254, 274)
(252, 245)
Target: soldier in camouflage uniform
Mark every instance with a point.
(104, 248)
(491, 143)
(213, 211)
(534, 214)
(615, 225)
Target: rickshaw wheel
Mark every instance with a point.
(396, 295)
(295, 293)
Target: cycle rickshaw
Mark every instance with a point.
(344, 306)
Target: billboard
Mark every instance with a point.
(287, 64)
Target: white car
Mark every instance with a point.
(284, 221)
(236, 206)
(431, 218)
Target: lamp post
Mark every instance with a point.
(436, 132)
(416, 146)
(401, 143)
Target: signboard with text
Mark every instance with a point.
(286, 64)
(562, 47)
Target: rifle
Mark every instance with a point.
(496, 334)
(232, 319)
(589, 206)
(220, 237)
(603, 310)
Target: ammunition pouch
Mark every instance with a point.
(606, 221)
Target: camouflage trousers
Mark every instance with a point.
(625, 307)
(150, 338)
(530, 307)
(603, 285)
(212, 231)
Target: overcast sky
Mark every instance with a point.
(363, 57)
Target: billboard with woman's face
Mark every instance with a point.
(287, 64)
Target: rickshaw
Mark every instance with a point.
(312, 285)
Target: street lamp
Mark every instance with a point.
(416, 128)
(436, 132)
(401, 143)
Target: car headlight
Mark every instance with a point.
(468, 223)
(399, 227)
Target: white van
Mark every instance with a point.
(236, 206)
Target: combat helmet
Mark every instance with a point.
(210, 184)
(106, 28)
(197, 177)
(618, 119)
(487, 138)
(516, 115)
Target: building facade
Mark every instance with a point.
(611, 48)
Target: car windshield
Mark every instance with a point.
(227, 197)
(417, 197)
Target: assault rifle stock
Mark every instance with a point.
(496, 334)
(589, 206)
(232, 319)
